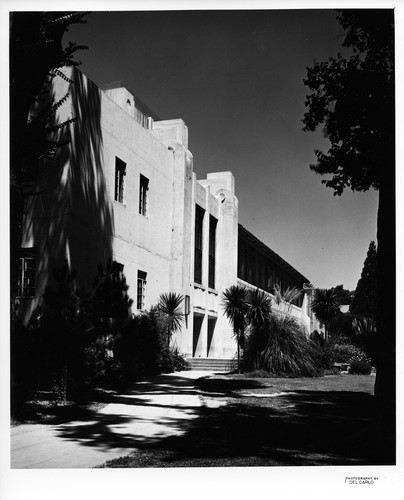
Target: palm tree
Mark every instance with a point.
(235, 304)
(170, 306)
(325, 305)
(259, 308)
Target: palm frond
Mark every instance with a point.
(259, 306)
(170, 305)
(234, 303)
(325, 304)
(286, 298)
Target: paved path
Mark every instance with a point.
(149, 411)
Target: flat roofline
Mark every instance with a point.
(118, 84)
(265, 250)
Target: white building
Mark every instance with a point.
(124, 187)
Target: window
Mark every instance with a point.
(120, 172)
(141, 290)
(199, 213)
(26, 273)
(143, 189)
(212, 251)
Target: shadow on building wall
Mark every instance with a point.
(72, 217)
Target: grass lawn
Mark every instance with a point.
(275, 422)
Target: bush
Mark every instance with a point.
(174, 361)
(141, 348)
(360, 367)
(287, 352)
(343, 353)
(316, 337)
(341, 350)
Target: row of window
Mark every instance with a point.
(262, 273)
(119, 196)
(27, 272)
(198, 253)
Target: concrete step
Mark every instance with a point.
(213, 364)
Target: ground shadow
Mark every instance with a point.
(103, 429)
(302, 428)
(227, 385)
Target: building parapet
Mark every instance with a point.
(130, 103)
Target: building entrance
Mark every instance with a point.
(211, 329)
(197, 338)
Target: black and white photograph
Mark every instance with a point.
(202, 251)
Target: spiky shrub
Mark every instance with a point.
(170, 307)
(288, 352)
(259, 307)
(285, 299)
(235, 306)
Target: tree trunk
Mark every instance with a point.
(238, 355)
(385, 384)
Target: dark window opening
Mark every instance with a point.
(120, 172)
(199, 213)
(143, 192)
(212, 251)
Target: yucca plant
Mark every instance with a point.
(170, 307)
(287, 350)
(235, 305)
(284, 299)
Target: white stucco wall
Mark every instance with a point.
(78, 218)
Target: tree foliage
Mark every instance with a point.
(325, 305)
(235, 306)
(63, 323)
(365, 299)
(35, 54)
(344, 296)
(111, 299)
(259, 307)
(353, 98)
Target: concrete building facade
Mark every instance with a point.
(124, 187)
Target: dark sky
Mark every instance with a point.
(236, 79)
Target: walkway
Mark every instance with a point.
(149, 411)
